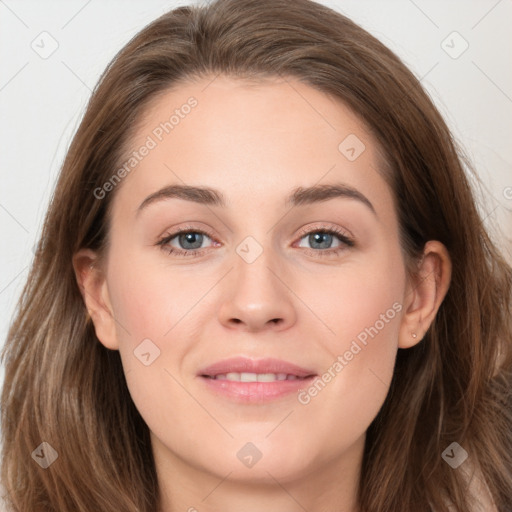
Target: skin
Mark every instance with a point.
(256, 142)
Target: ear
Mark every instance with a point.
(425, 293)
(92, 282)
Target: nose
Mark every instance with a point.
(257, 296)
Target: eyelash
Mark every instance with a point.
(190, 253)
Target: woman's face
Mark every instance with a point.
(292, 254)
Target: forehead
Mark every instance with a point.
(256, 140)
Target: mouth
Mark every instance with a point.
(246, 380)
(255, 377)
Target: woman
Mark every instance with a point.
(255, 369)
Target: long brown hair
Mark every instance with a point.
(65, 388)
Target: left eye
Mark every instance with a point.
(189, 240)
(321, 239)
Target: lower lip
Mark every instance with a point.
(256, 392)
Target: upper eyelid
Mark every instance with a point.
(330, 228)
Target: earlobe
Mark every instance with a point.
(93, 287)
(425, 294)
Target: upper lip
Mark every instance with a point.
(248, 365)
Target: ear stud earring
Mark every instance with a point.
(414, 335)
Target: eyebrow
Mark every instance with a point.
(299, 196)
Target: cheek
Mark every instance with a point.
(156, 313)
(150, 300)
(363, 309)
(151, 343)
(361, 302)
(353, 385)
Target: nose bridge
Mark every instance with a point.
(254, 267)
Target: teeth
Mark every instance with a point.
(254, 377)
(271, 377)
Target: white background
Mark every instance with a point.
(42, 100)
